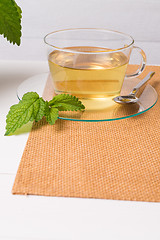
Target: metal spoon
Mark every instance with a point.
(131, 97)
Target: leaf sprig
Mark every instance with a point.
(34, 108)
(10, 21)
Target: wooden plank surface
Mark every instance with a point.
(23, 217)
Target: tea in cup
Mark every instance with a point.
(90, 63)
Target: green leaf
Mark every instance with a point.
(30, 95)
(18, 9)
(52, 115)
(10, 21)
(39, 105)
(30, 108)
(66, 102)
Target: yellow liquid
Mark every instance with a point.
(88, 76)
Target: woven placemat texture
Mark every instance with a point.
(107, 160)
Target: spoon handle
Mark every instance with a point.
(141, 83)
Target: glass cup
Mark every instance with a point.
(90, 63)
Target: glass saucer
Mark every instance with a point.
(106, 111)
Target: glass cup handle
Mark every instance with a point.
(143, 63)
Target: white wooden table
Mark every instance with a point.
(33, 217)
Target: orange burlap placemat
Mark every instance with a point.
(107, 160)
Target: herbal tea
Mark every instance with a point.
(86, 73)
